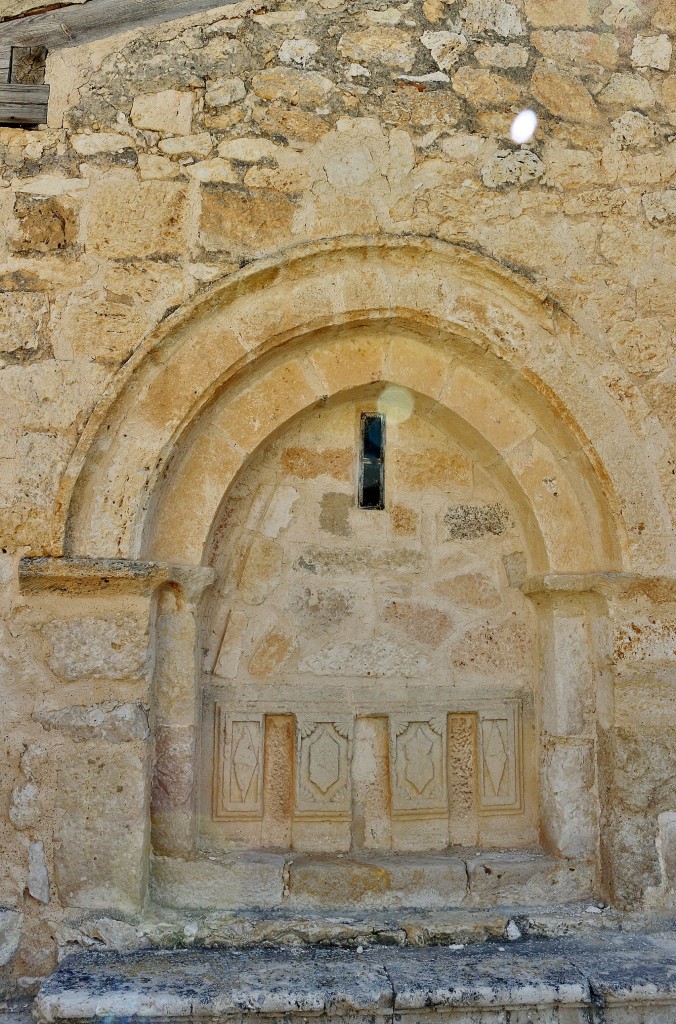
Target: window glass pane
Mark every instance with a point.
(372, 485)
(372, 437)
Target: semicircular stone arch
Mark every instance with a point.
(255, 330)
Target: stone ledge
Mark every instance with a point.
(618, 978)
(661, 589)
(80, 576)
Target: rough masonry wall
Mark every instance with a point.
(176, 155)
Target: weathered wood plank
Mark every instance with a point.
(23, 104)
(96, 19)
(5, 63)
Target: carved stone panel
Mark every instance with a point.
(238, 765)
(499, 759)
(418, 765)
(323, 756)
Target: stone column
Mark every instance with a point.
(176, 713)
(571, 675)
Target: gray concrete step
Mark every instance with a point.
(619, 979)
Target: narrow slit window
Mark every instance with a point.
(372, 462)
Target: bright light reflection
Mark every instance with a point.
(523, 126)
(395, 403)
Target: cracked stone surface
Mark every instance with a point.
(557, 977)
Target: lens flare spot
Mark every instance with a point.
(523, 126)
(396, 403)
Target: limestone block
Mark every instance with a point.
(491, 649)
(563, 95)
(666, 849)
(297, 51)
(100, 142)
(225, 883)
(128, 219)
(261, 571)
(510, 167)
(310, 463)
(11, 922)
(37, 880)
(222, 92)
(243, 222)
(98, 866)
(660, 207)
(568, 798)
(636, 130)
(156, 168)
(423, 881)
(578, 49)
(91, 327)
(290, 123)
(392, 47)
(486, 88)
(645, 345)
(169, 111)
(98, 648)
(116, 723)
(446, 47)
(525, 880)
(559, 13)
(271, 651)
(471, 589)
(628, 91)
(652, 52)
(484, 405)
(664, 17)
(435, 467)
(52, 185)
(496, 16)
(45, 225)
(214, 171)
(423, 623)
(23, 317)
(305, 88)
(371, 658)
(623, 14)
(501, 55)
(248, 150)
(187, 145)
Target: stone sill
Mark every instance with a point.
(571, 981)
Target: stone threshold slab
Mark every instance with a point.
(623, 978)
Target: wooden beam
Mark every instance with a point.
(84, 23)
(23, 104)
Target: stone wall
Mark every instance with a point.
(175, 244)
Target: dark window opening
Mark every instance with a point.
(372, 462)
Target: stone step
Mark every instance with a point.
(370, 881)
(621, 979)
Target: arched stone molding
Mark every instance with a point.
(487, 317)
(492, 359)
(564, 522)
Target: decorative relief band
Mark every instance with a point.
(418, 765)
(323, 758)
(423, 755)
(238, 776)
(499, 736)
